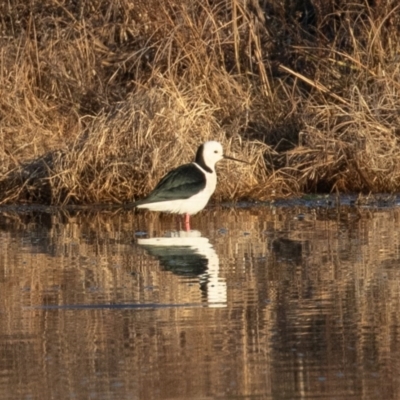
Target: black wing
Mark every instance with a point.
(180, 183)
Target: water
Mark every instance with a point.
(286, 302)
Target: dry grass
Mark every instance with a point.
(99, 99)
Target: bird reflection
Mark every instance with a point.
(188, 254)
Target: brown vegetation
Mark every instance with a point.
(99, 99)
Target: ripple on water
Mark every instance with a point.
(279, 302)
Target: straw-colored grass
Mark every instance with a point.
(99, 99)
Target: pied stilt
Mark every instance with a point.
(187, 189)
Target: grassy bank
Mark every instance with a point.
(99, 99)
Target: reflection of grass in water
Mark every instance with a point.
(325, 305)
(314, 197)
(303, 90)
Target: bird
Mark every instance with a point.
(187, 188)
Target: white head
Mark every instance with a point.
(209, 153)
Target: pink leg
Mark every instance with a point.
(187, 222)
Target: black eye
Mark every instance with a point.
(215, 151)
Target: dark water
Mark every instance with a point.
(290, 302)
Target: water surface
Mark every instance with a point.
(269, 302)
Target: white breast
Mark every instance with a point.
(191, 205)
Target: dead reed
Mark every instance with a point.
(99, 99)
